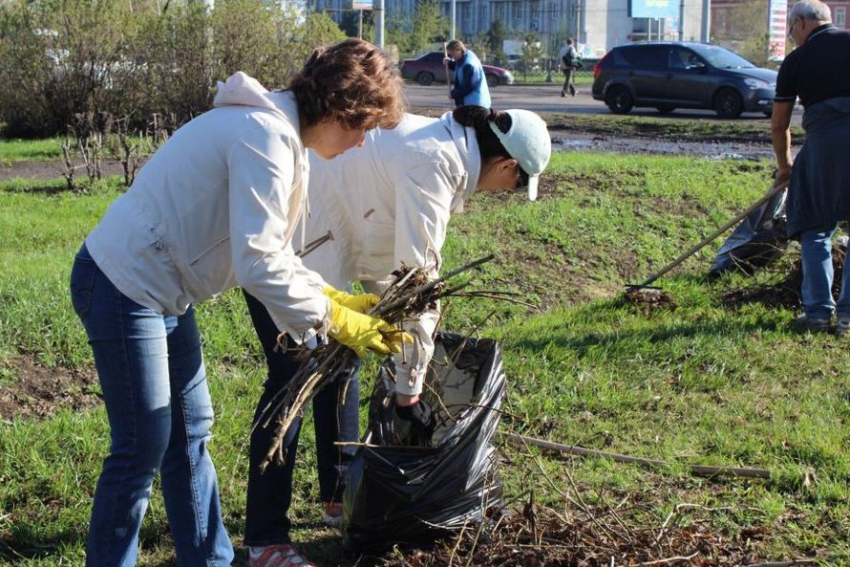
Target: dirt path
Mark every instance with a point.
(52, 169)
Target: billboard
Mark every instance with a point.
(362, 4)
(654, 8)
(777, 18)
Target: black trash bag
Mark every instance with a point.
(398, 494)
(758, 241)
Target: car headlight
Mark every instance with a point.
(756, 84)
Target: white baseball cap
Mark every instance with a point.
(528, 142)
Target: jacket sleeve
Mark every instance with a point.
(423, 204)
(261, 169)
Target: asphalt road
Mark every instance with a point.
(546, 98)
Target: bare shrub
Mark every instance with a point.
(60, 58)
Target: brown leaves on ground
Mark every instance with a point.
(536, 536)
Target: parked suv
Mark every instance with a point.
(682, 75)
(429, 68)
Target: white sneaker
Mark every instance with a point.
(333, 514)
(281, 555)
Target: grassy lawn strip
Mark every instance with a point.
(696, 384)
(12, 151)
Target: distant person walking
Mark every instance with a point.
(568, 62)
(470, 84)
(818, 73)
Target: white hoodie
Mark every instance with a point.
(389, 202)
(216, 207)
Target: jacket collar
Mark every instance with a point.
(470, 156)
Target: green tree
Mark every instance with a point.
(532, 52)
(429, 25)
(496, 37)
(481, 46)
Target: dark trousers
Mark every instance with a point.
(270, 492)
(569, 84)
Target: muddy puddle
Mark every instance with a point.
(578, 142)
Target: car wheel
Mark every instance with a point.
(425, 79)
(728, 104)
(619, 99)
(492, 80)
(665, 109)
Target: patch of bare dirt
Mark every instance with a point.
(31, 390)
(52, 169)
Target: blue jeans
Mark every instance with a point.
(270, 491)
(157, 400)
(817, 276)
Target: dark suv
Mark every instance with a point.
(682, 75)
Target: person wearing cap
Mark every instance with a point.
(386, 203)
(470, 84)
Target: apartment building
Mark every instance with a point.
(598, 25)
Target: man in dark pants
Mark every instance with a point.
(269, 500)
(568, 63)
(818, 73)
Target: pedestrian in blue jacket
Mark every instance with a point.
(470, 84)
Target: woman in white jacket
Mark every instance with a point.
(215, 207)
(386, 202)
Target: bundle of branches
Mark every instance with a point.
(410, 294)
(588, 536)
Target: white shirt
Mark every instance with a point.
(389, 202)
(216, 207)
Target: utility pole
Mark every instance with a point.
(454, 19)
(682, 20)
(705, 36)
(577, 15)
(379, 23)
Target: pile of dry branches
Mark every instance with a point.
(585, 536)
(408, 296)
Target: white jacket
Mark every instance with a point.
(216, 207)
(389, 202)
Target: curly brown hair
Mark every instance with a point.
(353, 83)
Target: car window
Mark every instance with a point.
(647, 56)
(681, 59)
(433, 57)
(723, 58)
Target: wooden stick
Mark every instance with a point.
(700, 470)
(784, 563)
(777, 187)
(671, 559)
(446, 66)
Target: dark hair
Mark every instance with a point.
(353, 83)
(489, 146)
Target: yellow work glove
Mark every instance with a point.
(361, 332)
(360, 303)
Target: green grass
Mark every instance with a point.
(582, 78)
(12, 151)
(698, 384)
